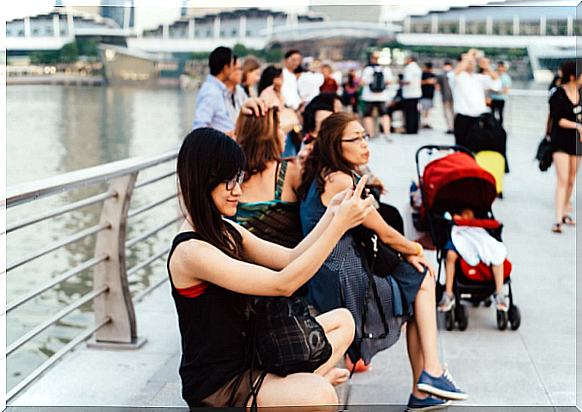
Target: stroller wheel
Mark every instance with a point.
(501, 319)
(514, 317)
(488, 302)
(449, 320)
(462, 317)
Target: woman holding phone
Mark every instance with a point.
(215, 266)
(341, 147)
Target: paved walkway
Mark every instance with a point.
(534, 365)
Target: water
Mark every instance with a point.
(56, 129)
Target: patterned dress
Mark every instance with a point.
(342, 281)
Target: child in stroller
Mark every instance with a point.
(475, 245)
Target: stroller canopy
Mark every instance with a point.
(457, 179)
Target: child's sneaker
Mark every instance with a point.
(447, 302)
(429, 403)
(500, 301)
(444, 386)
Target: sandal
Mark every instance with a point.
(567, 220)
(557, 228)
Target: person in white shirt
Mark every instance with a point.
(237, 96)
(289, 89)
(411, 93)
(469, 91)
(376, 95)
(308, 84)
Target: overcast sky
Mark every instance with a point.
(20, 8)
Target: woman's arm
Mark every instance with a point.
(196, 261)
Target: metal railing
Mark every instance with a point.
(112, 301)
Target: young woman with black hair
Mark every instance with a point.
(216, 265)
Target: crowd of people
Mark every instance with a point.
(270, 187)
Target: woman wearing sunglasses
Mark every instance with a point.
(216, 265)
(340, 149)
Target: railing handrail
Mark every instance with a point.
(26, 192)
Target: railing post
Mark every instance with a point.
(121, 332)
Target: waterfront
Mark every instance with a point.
(53, 130)
(534, 365)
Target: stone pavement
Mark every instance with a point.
(532, 366)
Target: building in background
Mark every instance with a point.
(121, 11)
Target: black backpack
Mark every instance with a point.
(378, 84)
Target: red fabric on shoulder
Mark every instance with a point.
(193, 291)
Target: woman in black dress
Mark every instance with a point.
(566, 112)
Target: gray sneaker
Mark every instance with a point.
(501, 301)
(447, 302)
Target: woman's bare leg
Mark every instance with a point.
(561, 160)
(340, 328)
(414, 355)
(425, 319)
(301, 392)
(573, 165)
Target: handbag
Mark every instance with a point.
(544, 154)
(287, 339)
(381, 258)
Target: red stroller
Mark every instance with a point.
(446, 183)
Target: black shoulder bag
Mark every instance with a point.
(284, 339)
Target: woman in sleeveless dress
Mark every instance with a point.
(566, 135)
(215, 266)
(342, 281)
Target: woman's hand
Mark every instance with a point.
(352, 210)
(255, 106)
(420, 262)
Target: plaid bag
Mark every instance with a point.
(287, 338)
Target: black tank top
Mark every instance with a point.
(213, 336)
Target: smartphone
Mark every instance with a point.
(480, 54)
(356, 178)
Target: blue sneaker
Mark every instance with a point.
(444, 386)
(430, 403)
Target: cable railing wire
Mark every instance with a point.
(47, 249)
(59, 279)
(55, 318)
(141, 238)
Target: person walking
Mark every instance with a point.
(427, 85)
(211, 109)
(289, 89)
(469, 90)
(375, 94)
(350, 91)
(498, 98)
(411, 93)
(566, 113)
(447, 95)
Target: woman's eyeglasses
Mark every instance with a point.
(237, 179)
(358, 139)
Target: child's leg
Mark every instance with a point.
(500, 299)
(452, 257)
(498, 277)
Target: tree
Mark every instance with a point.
(240, 50)
(69, 52)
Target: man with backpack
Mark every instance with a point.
(375, 79)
